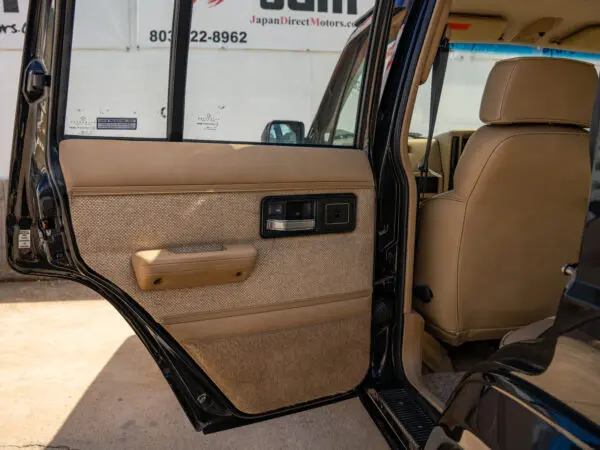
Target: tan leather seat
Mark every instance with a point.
(491, 249)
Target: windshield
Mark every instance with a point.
(336, 120)
(342, 94)
(468, 68)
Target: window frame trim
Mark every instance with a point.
(178, 66)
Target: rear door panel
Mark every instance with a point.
(298, 328)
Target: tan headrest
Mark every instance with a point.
(539, 90)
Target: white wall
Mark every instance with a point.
(10, 63)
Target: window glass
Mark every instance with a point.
(469, 66)
(118, 86)
(336, 120)
(252, 63)
(345, 127)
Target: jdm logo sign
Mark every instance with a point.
(322, 6)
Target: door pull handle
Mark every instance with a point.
(291, 225)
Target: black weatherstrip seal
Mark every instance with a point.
(180, 45)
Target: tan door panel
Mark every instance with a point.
(133, 167)
(298, 327)
(204, 327)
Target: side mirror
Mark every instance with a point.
(283, 132)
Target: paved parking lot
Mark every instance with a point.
(73, 376)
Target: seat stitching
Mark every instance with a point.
(506, 89)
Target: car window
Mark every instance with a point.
(466, 75)
(250, 63)
(117, 88)
(336, 120)
(344, 129)
(271, 68)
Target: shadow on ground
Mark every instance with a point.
(129, 405)
(73, 376)
(45, 290)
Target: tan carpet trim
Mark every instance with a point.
(282, 319)
(266, 371)
(183, 318)
(109, 229)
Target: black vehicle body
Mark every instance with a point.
(494, 402)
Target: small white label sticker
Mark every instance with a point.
(25, 239)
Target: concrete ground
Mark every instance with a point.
(73, 376)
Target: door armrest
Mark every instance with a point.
(165, 269)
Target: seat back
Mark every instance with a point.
(491, 249)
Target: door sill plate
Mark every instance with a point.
(401, 415)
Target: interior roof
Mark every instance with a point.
(575, 14)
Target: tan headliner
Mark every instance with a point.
(575, 14)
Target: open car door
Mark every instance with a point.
(245, 268)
